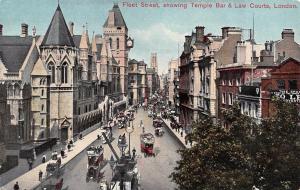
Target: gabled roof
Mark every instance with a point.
(39, 69)
(118, 17)
(58, 33)
(13, 51)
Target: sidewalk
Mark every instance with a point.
(29, 180)
(176, 134)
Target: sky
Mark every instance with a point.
(159, 30)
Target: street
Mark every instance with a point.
(154, 170)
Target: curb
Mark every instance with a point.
(174, 135)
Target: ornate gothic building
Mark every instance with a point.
(60, 83)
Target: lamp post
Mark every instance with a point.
(122, 144)
(129, 129)
(112, 163)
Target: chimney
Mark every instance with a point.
(1, 27)
(225, 32)
(111, 18)
(187, 38)
(71, 28)
(199, 33)
(287, 34)
(24, 30)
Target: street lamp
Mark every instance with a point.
(129, 129)
(112, 164)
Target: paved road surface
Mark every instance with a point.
(154, 170)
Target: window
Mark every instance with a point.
(64, 73)
(230, 82)
(86, 109)
(223, 98)
(280, 84)
(238, 81)
(42, 92)
(42, 109)
(17, 90)
(90, 107)
(78, 111)
(42, 121)
(118, 43)
(293, 84)
(249, 109)
(110, 42)
(256, 110)
(51, 69)
(230, 99)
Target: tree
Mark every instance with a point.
(277, 157)
(243, 155)
(216, 161)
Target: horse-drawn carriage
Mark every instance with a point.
(54, 164)
(95, 163)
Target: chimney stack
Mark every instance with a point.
(225, 32)
(24, 30)
(1, 27)
(199, 33)
(287, 34)
(71, 28)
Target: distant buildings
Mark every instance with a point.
(172, 74)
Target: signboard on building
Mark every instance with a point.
(287, 95)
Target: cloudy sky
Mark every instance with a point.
(154, 29)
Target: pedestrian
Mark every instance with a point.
(44, 158)
(30, 163)
(181, 133)
(40, 175)
(62, 153)
(69, 147)
(133, 153)
(16, 186)
(34, 154)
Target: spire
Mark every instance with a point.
(94, 45)
(84, 41)
(58, 33)
(115, 17)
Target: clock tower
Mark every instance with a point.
(116, 34)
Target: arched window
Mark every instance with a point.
(110, 42)
(118, 43)
(17, 90)
(10, 90)
(51, 69)
(64, 73)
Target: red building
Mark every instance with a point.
(283, 82)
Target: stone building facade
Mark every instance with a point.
(137, 82)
